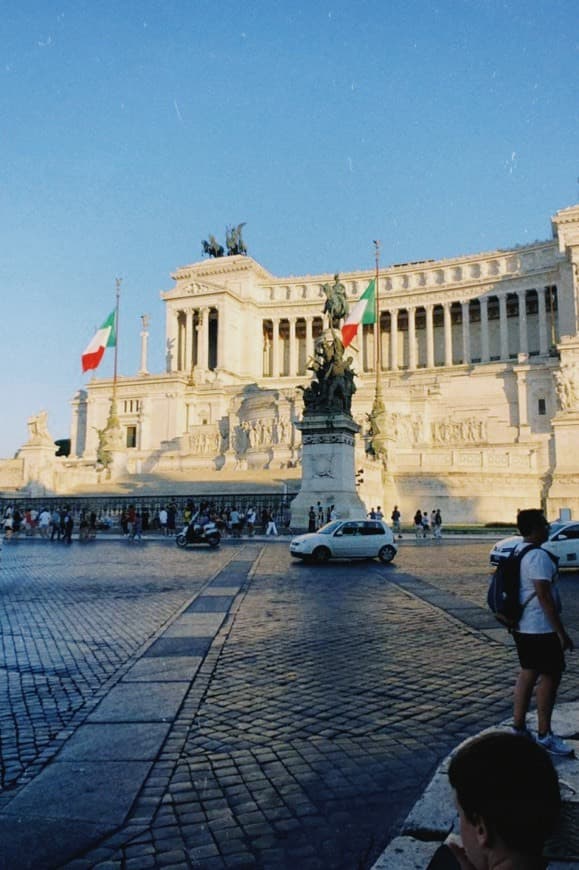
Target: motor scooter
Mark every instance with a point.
(195, 532)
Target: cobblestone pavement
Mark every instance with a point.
(317, 716)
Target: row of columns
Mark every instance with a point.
(466, 343)
(293, 344)
(189, 322)
(393, 360)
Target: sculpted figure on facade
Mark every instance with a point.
(567, 386)
(38, 429)
(104, 453)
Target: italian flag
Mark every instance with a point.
(104, 337)
(364, 311)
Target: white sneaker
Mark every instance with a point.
(555, 745)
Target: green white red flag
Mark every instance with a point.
(363, 312)
(104, 337)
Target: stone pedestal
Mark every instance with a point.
(328, 468)
(564, 486)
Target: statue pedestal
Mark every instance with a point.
(328, 468)
(564, 486)
(38, 468)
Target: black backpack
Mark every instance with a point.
(504, 588)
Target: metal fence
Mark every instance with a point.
(110, 508)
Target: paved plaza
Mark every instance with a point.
(234, 708)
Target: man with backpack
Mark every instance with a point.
(540, 636)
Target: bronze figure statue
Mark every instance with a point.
(234, 241)
(333, 387)
(212, 247)
(336, 305)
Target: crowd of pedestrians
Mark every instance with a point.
(59, 524)
(428, 525)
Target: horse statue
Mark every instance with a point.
(234, 241)
(336, 306)
(212, 247)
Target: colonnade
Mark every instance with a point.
(494, 327)
(194, 339)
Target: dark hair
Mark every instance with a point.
(510, 782)
(528, 520)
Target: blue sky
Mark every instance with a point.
(130, 131)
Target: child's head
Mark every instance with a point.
(507, 794)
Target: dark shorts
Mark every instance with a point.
(540, 652)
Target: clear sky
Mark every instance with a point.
(131, 130)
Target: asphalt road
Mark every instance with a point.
(319, 708)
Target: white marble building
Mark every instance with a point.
(480, 377)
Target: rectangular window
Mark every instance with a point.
(131, 436)
(542, 407)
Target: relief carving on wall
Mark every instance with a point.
(205, 442)
(253, 434)
(470, 431)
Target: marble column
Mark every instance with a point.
(465, 332)
(309, 338)
(523, 335)
(275, 348)
(204, 339)
(144, 344)
(411, 339)
(293, 348)
(429, 336)
(484, 329)
(187, 363)
(220, 336)
(266, 366)
(447, 333)
(543, 340)
(504, 326)
(394, 340)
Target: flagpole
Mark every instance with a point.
(377, 337)
(113, 420)
(118, 282)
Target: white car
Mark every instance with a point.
(346, 539)
(563, 542)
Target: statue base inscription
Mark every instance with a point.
(328, 468)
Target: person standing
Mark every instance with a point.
(320, 510)
(55, 525)
(250, 519)
(163, 520)
(395, 516)
(138, 528)
(418, 524)
(312, 520)
(437, 524)
(44, 523)
(235, 521)
(425, 525)
(271, 526)
(68, 527)
(171, 519)
(540, 636)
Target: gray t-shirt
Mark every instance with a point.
(536, 565)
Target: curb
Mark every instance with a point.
(433, 817)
